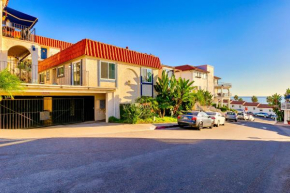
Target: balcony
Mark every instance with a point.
(23, 69)
(285, 106)
(18, 31)
(223, 95)
(223, 85)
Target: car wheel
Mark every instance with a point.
(200, 126)
(181, 126)
(236, 120)
(226, 119)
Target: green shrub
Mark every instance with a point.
(114, 120)
(132, 113)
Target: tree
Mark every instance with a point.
(236, 97)
(275, 101)
(182, 93)
(173, 94)
(254, 99)
(9, 83)
(287, 94)
(240, 99)
(165, 88)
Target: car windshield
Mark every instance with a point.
(211, 113)
(230, 113)
(240, 113)
(192, 113)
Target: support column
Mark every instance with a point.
(34, 56)
(286, 116)
(110, 105)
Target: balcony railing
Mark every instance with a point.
(223, 84)
(223, 94)
(14, 30)
(285, 106)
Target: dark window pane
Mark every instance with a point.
(112, 71)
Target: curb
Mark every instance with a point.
(165, 127)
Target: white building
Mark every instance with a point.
(204, 79)
(252, 107)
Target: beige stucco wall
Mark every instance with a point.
(127, 81)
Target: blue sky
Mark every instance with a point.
(247, 41)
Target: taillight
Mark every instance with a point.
(179, 117)
(193, 118)
(212, 117)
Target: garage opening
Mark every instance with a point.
(32, 112)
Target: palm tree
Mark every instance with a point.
(254, 99)
(240, 99)
(9, 83)
(287, 93)
(236, 97)
(182, 93)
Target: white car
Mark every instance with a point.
(218, 118)
(242, 116)
(251, 118)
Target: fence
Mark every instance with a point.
(31, 113)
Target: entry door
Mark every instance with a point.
(101, 110)
(43, 53)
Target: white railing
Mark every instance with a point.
(223, 84)
(285, 106)
(223, 94)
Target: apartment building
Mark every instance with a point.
(67, 82)
(204, 79)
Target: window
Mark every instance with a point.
(108, 70)
(41, 78)
(48, 75)
(60, 71)
(76, 73)
(198, 75)
(233, 105)
(254, 108)
(270, 110)
(102, 104)
(146, 75)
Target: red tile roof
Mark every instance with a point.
(100, 50)
(238, 102)
(217, 78)
(251, 104)
(264, 106)
(189, 67)
(52, 42)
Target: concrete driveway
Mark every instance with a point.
(239, 157)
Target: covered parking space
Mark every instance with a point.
(47, 105)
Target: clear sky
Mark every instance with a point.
(247, 41)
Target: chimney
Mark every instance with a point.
(127, 47)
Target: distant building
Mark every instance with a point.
(252, 107)
(204, 79)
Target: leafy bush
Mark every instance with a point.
(114, 120)
(158, 120)
(133, 112)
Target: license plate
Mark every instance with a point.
(185, 118)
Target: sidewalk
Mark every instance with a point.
(75, 130)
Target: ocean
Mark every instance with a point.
(261, 99)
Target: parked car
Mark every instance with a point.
(231, 116)
(272, 116)
(250, 113)
(251, 118)
(265, 115)
(242, 116)
(218, 118)
(195, 119)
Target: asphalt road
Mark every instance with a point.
(251, 157)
